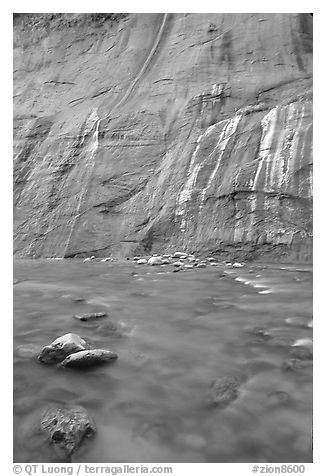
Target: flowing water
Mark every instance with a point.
(174, 333)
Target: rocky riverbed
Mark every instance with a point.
(209, 364)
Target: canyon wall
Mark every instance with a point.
(140, 133)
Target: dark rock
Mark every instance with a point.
(176, 270)
(60, 348)
(89, 358)
(224, 390)
(91, 316)
(66, 428)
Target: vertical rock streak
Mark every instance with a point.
(90, 163)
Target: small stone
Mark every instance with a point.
(224, 390)
(155, 260)
(88, 259)
(91, 316)
(210, 259)
(179, 254)
(188, 266)
(60, 348)
(142, 261)
(136, 258)
(213, 264)
(176, 270)
(66, 428)
(201, 265)
(166, 256)
(237, 265)
(88, 358)
(165, 261)
(106, 259)
(178, 263)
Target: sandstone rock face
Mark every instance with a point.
(154, 132)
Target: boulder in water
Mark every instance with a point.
(179, 254)
(141, 261)
(66, 428)
(178, 264)
(60, 348)
(89, 358)
(155, 260)
(224, 390)
(91, 316)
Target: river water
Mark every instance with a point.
(174, 333)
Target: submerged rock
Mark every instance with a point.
(142, 261)
(66, 428)
(224, 390)
(88, 358)
(91, 316)
(60, 348)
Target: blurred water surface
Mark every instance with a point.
(174, 333)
